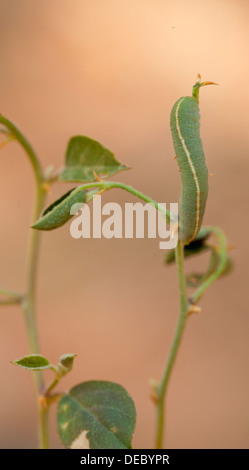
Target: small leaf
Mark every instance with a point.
(195, 247)
(58, 213)
(84, 156)
(66, 363)
(33, 362)
(96, 415)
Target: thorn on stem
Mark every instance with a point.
(194, 309)
(174, 229)
(46, 186)
(96, 176)
(5, 142)
(231, 247)
(43, 402)
(154, 390)
(100, 192)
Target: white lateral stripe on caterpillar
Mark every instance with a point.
(191, 167)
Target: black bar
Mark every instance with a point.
(172, 458)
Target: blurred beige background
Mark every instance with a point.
(112, 70)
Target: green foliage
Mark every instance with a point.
(33, 362)
(66, 362)
(85, 156)
(99, 414)
(59, 212)
(96, 415)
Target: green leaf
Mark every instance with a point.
(84, 156)
(195, 247)
(58, 213)
(96, 415)
(66, 363)
(33, 362)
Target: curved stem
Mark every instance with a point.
(31, 278)
(113, 184)
(223, 259)
(143, 197)
(28, 303)
(29, 308)
(52, 385)
(26, 146)
(162, 387)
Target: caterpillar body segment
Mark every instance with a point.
(185, 129)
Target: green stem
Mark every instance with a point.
(223, 260)
(43, 427)
(29, 308)
(29, 301)
(26, 146)
(113, 184)
(53, 384)
(11, 297)
(31, 278)
(162, 387)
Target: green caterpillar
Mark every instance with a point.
(185, 129)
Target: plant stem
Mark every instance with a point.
(10, 297)
(223, 259)
(29, 308)
(43, 427)
(53, 384)
(28, 303)
(113, 184)
(26, 146)
(162, 387)
(31, 277)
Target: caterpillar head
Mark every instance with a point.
(198, 85)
